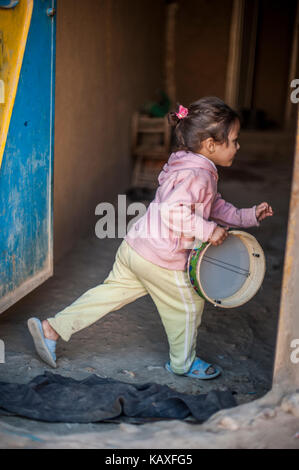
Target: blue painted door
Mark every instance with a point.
(26, 173)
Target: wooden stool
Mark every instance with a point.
(150, 147)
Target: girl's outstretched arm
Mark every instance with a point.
(225, 213)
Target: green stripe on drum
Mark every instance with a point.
(192, 265)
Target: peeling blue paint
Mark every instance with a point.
(26, 175)
(8, 3)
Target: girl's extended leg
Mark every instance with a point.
(119, 288)
(179, 306)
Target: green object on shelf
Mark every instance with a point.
(158, 108)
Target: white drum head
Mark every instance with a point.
(230, 274)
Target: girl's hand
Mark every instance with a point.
(218, 236)
(262, 211)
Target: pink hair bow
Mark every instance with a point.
(183, 112)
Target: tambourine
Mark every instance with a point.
(230, 274)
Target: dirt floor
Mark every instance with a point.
(130, 344)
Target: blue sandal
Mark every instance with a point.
(198, 370)
(45, 348)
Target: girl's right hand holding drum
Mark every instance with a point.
(218, 236)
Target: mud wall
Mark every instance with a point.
(109, 61)
(202, 46)
(274, 42)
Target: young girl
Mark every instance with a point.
(150, 262)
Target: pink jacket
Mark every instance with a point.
(185, 211)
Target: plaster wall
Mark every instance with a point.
(109, 62)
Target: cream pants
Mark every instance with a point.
(131, 277)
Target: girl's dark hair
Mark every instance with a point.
(207, 117)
